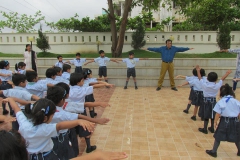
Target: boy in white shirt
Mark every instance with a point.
(131, 62)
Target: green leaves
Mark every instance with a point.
(42, 42)
(21, 23)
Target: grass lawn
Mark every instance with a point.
(138, 54)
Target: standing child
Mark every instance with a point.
(197, 97)
(210, 90)
(60, 62)
(131, 62)
(66, 72)
(38, 132)
(228, 129)
(6, 77)
(102, 62)
(78, 62)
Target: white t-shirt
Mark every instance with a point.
(131, 62)
(78, 93)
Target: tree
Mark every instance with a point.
(21, 23)
(42, 42)
(138, 36)
(224, 38)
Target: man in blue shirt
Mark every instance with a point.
(168, 52)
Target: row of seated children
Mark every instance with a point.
(203, 95)
(102, 62)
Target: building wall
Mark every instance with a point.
(202, 42)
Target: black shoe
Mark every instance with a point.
(88, 150)
(5, 112)
(213, 154)
(203, 130)
(185, 111)
(158, 88)
(125, 87)
(136, 87)
(211, 129)
(11, 113)
(174, 88)
(238, 154)
(95, 114)
(202, 119)
(194, 118)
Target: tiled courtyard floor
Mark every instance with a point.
(150, 125)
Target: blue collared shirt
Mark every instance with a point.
(168, 54)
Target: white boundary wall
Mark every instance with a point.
(202, 42)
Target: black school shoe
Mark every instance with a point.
(158, 89)
(88, 150)
(185, 111)
(125, 87)
(194, 118)
(5, 112)
(136, 87)
(174, 88)
(211, 129)
(203, 130)
(211, 153)
(238, 154)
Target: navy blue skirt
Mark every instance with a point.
(89, 98)
(228, 130)
(63, 147)
(207, 108)
(197, 98)
(191, 94)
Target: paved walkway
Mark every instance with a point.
(150, 125)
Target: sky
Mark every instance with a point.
(53, 10)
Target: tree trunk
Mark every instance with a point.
(127, 9)
(113, 27)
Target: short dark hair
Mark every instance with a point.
(50, 72)
(19, 65)
(66, 67)
(31, 75)
(3, 64)
(226, 90)
(212, 77)
(57, 69)
(194, 72)
(130, 53)
(41, 108)
(202, 72)
(59, 56)
(13, 146)
(78, 54)
(101, 51)
(86, 72)
(56, 94)
(18, 78)
(75, 78)
(168, 40)
(64, 86)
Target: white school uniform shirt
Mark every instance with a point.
(18, 92)
(78, 62)
(189, 78)
(73, 107)
(61, 79)
(36, 88)
(87, 81)
(102, 61)
(210, 89)
(78, 93)
(227, 106)
(195, 82)
(6, 71)
(20, 71)
(37, 137)
(59, 64)
(61, 115)
(130, 62)
(66, 75)
(48, 81)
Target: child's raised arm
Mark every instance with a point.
(198, 72)
(184, 84)
(13, 104)
(7, 119)
(181, 76)
(96, 104)
(226, 74)
(94, 120)
(102, 85)
(143, 58)
(114, 60)
(71, 124)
